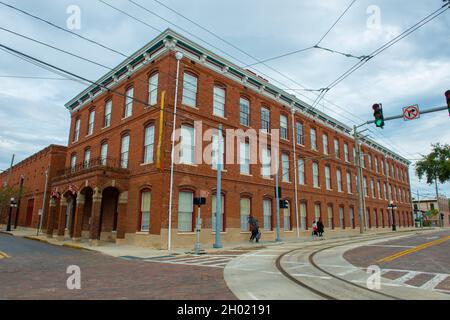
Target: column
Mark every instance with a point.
(51, 217)
(122, 214)
(95, 217)
(62, 218)
(79, 212)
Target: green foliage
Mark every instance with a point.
(432, 213)
(435, 165)
(6, 193)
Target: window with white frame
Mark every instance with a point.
(349, 183)
(73, 162)
(346, 155)
(185, 211)
(87, 158)
(315, 167)
(219, 101)
(366, 191)
(299, 132)
(301, 171)
(341, 218)
(372, 188)
(327, 177)
(376, 165)
(146, 197)
(379, 190)
(244, 154)
(303, 215)
(330, 216)
(339, 180)
(354, 155)
(91, 122)
(104, 153)
(124, 151)
(245, 213)
(363, 161)
(284, 127)
(382, 166)
(153, 89)
(369, 157)
(244, 111)
(313, 139)
(317, 212)
(391, 197)
(265, 120)
(187, 145)
(267, 210)
(385, 191)
(287, 218)
(336, 148)
(76, 134)
(266, 163)
(149, 141)
(129, 102)
(189, 90)
(285, 167)
(214, 210)
(108, 110)
(325, 144)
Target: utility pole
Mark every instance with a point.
(43, 203)
(10, 169)
(294, 143)
(358, 180)
(437, 196)
(218, 242)
(277, 195)
(16, 222)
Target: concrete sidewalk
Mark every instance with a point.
(115, 250)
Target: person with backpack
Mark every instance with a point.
(254, 227)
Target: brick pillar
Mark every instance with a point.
(79, 212)
(122, 212)
(51, 217)
(95, 217)
(62, 218)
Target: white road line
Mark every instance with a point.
(310, 276)
(406, 277)
(351, 270)
(192, 259)
(387, 246)
(252, 296)
(433, 283)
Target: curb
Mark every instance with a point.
(74, 246)
(35, 239)
(6, 232)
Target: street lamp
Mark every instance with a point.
(12, 204)
(392, 206)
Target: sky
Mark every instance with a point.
(416, 70)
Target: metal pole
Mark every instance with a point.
(8, 226)
(43, 203)
(198, 245)
(394, 227)
(277, 196)
(10, 169)
(437, 197)
(294, 143)
(218, 243)
(358, 180)
(178, 56)
(22, 178)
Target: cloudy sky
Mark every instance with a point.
(415, 70)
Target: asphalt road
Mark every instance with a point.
(36, 270)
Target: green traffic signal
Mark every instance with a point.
(378, 114)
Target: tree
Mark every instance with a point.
(6, 193)
(436, 165)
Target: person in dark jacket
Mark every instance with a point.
(320, 228)
(254, 227)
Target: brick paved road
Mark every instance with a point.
(37, 270)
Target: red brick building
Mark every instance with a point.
(33, 169)
(117, 183)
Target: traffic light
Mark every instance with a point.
(284, 204)
(378, 115)
(447, 95)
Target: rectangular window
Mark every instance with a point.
(267, 208)
(283, 127)
(91, 122)
(108, 110)
(370, 161)
(301, 171)
(187, 145)
(354, 156)
(185, 211)
(73, 162)
(153, 89)
(317, 213)
(149, 144)
(245, 213)
(379, 190)
(352, 217)
(124, 151)
(384, 190)
(87, 158)
(213, 213)
(104, 154)
(299, 132)
(376, 164)
(372, 188)
(244, 112)
(219, 102)
(265, 120)
(145, 211)
(330, 216)
(245, 157)
(189, 90)
(382, 166)
(129, 102)
(365, 187)
(336, 148)
(313, 139)
(327, 177)
(339, 180)
(76, 134)
(346, 154)
(341, 218)
(315, 175)
(266, 163)
(287, 219)
(285, 167)
(349, 183)
(303, 216)
(325, 144)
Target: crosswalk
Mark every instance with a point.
(206, 260)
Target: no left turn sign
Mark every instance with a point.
(411, 113)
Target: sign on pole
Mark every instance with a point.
(411, 113)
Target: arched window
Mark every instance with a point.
(190, 83)
(244, 111)
(87, 158)
(108, 111)
(104, 153)
(287, 222)
(76, 133)
(144, 214)
(330, 216)
(303, 216)
(219, 101)
(245, 213)
(267, 211)
(73, 162)
(124, 151)
(149, 141)
(315, 166)
(341, 218)
(153, 89)
(91, 122)
(185, 211)
(128, 111)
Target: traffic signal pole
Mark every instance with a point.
(359, 179)
(402, 116)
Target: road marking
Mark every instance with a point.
(251, 295)
(349, 271)
(433, 283)
(310, 276)
(406, 277)
(388, 246)
(412, 250)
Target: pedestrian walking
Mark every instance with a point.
(320, 228)
(254, 228)
(315, 230)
